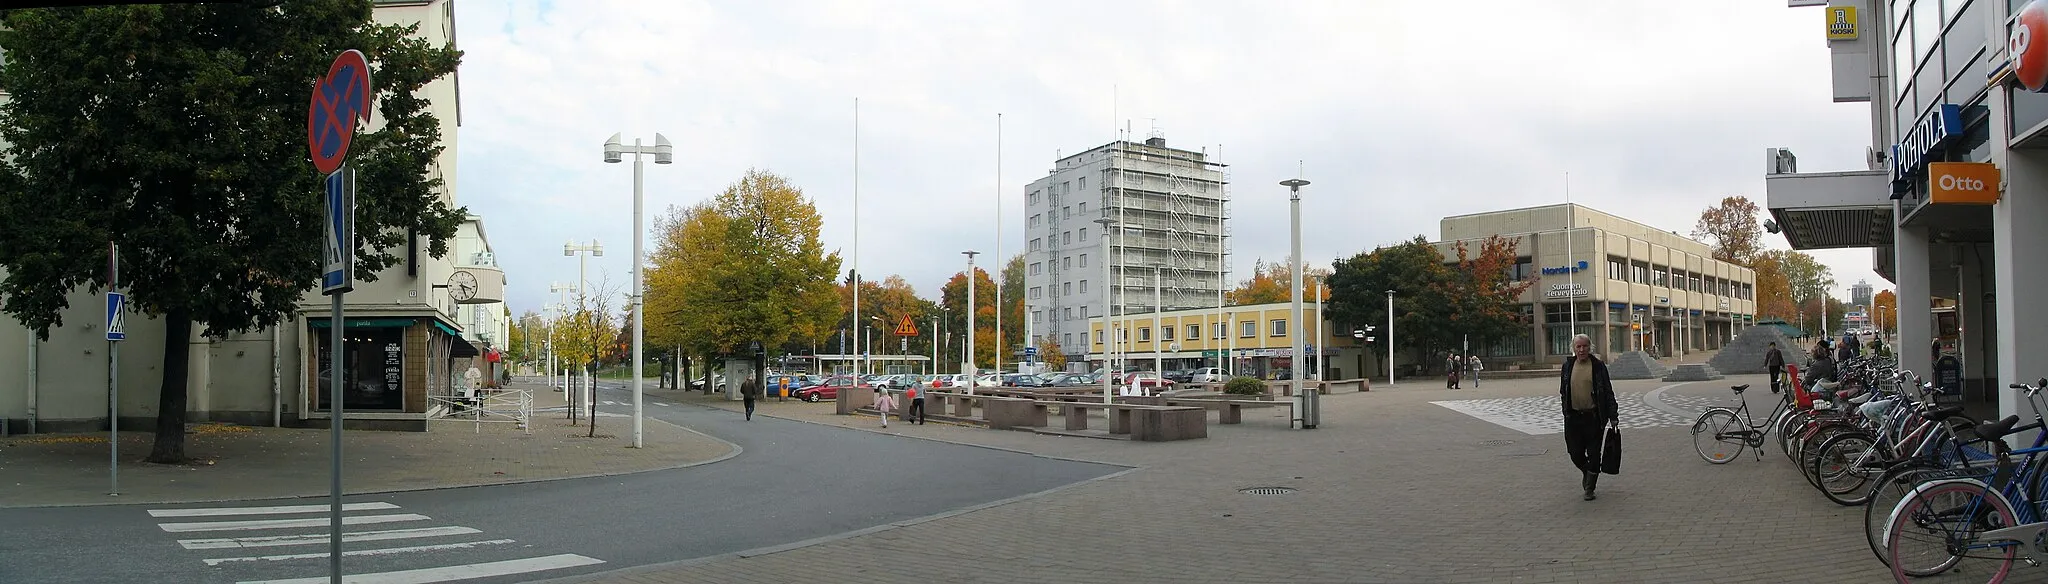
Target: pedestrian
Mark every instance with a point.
(1451, 366)
(750, 390)
(1587, 396)
(883, 403)
(1774, 362)
(915, 414)
(1477, 367)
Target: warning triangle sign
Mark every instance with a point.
(906, 328)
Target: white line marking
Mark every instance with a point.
(322, 538)
(463, 572)
(265, 510)
(372, 552)
(285, 523)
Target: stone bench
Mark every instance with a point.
(1151, 423)
(1003, 413)
(1231, 411)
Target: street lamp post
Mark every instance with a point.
(1158, 335)
(664, 153)
(970, 320)
(1108, 337)
(1294, 230)
(583, 253)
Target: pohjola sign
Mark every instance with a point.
(1934, 132)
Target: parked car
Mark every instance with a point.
(830, 389)
(1206, 375)
(717, 382)
(1022, 380)
(1148, 381)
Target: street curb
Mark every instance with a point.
(735, 450)
(774, 549)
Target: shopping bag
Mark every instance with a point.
(1610, 452)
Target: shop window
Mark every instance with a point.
(1279, 327)
(373, 368)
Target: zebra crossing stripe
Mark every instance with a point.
(369, 552)
(322, 538)
(286, 523)
(444, 574)
(221, 511)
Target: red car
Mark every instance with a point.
(829, 389)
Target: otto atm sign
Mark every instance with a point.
(1962, 183)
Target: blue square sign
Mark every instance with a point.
(117, 304)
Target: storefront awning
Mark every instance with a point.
(460, 347)
(1832, 210)
(364, 322)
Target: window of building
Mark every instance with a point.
(1035, 268)
(1037, 316)
(1098, 336)
(1082, 209)
(1145, 334)
(1066, 238)
(1034, 198)
(1084, 257)
(373, 368)
(1084, 234)
(1066, 212)
(1084, 286)
(1194, 332)
(1221, 328)
(1069, 289)
(1123, 335)
(1035, 292)
(1657, 278)
(1035, 245)
(1639, 273)
(1279, 327)
(1066, 340)
(1166, 333)
(1066, 187)
(1614, 271)
(1034, 221)
(1067, 262)
(1070, 313)
(1248, 329)
(1084, 185)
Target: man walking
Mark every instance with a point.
(1587, 394)
(1774, 362)
(915, 415)
(750, 390)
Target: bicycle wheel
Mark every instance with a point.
(1842, 467)
(1894, 485)
(1939, 531)
(1809, 450)
(1788, 424)
(1716, 435)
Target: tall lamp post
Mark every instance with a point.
(583, 253)
(1158, 335)
(1390, 338)
(970, 320)
(664, 153)
(1108, 336)
(1294, 233)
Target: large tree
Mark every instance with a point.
(1888, 318)
(178, 132)
(1411, 269)
(953, 296)
(1482, 297)
(1773, 289)
(1731, 229)
(1013, 305)
(1807, 277)
(746, 266)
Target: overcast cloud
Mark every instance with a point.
(1401, 113)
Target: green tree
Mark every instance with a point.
(1481, 296)
(1412, 269)
(1013, 306)
(1731, 229)
(178, 132)
(524, 342)
(1773, 289)
(1270, 282)
(954, 297)
(1807, 277)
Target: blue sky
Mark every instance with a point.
(1400, 112)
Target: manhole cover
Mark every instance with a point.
(1494, 443)
(1267, 490)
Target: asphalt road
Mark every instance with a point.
(793, 482)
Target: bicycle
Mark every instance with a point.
(1719, 427)
(1969, 518)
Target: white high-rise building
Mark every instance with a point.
(1174, 207)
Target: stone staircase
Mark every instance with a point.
(1636, 365)
(1745, 353)
(1693, 372)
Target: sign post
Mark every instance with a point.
(116, 332)
(339, 100)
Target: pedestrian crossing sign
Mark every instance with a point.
(906, 328)
(117, 324)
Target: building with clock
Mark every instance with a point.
(408, 336)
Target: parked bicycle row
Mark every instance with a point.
(1945, 497)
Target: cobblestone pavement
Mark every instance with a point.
(241, 462)
(1391, 488)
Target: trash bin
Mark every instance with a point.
(1311, 407)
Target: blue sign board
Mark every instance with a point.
(117, 304)
(1934, 132)
(1579, 267)
(340, 233)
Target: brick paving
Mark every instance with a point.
(239, 462)
(1392, 488)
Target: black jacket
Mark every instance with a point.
(1774, 360)
(1603, 389)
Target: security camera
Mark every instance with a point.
(1771, 226)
